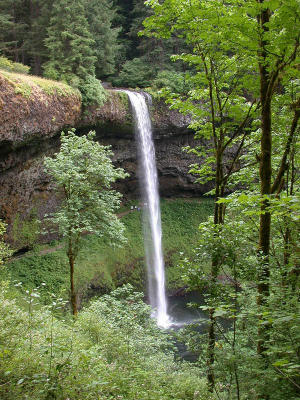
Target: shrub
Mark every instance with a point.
(174, 81)
(25, 232)
(135, 73)
(92, 91)
(10, 66)
(113, 351)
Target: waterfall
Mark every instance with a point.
(151, 208)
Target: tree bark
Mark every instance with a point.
(211, 350)
(284, 161)
(73, 293)
(218, 219)
(265, 173)
(72, 286)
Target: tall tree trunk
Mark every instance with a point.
(265, 216)
(290, 245)
(211, 350)
(218, 219)
(37, 65)
(265, 172)
(265, 179)
(73, 293)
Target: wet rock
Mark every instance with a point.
(30, 128)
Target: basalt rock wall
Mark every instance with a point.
(30, 127)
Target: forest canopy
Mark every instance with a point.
(79, 41)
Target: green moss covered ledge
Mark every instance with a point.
(33, 107)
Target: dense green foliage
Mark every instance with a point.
(237, 364)
(79, 40)
(10, 66)
(245, 100)
(112, 351)
(235, 71)
(83, 174)
(100, 16)
(70, 46)
(5, 252)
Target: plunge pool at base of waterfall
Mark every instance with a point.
(181, 315)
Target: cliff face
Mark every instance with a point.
(34, 111)
(34, 108)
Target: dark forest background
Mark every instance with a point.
(96, 37)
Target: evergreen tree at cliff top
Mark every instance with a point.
(38, 19)
(70, 46)
(13, 28)
(100, 15)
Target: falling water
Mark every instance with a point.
(152, 219)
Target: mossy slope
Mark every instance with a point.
(101, 267)
(31, 106)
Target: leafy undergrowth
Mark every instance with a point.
(112, 351)
(11, 66)
(102, 266)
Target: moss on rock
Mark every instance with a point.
(115, 110)
(32, 106)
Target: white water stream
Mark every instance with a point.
(151, 209)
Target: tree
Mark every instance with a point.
(71, 50)
(223, 106)
(38, 15)
(277, 48)
(23, 29)
(254, 44)
(100, 16)
(83, 173)
(13, 29)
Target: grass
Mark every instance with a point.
(24, 85)
(103, 266)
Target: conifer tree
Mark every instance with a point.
(23, 29)
(13, 29)
(38, 20)
(100, 16)
(71, 53)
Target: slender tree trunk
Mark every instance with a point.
(265, 181)
(37, 65)
(265, 172)
(218, 219)
(73, 293)
(72, 286)
(287, 231)
(15, 51)
(37, 59)
(236, 376)
(290, 247)
(265, 219)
